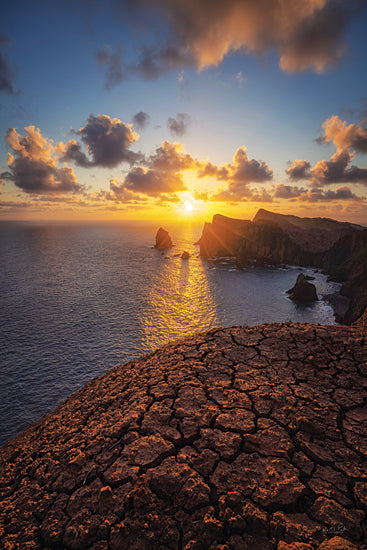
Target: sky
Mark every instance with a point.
(179, 109)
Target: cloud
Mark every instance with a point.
(155, 61)
(306, 34)
(353, 136)
(33, 165)
(171, 158)
(338, 170)
(299, 170)
(315, 195)
(242, 170)
(7, 72)
(178, 126)
(239, 191)
(160, 177)
(113, 64)
(141, 120)
(107, 141)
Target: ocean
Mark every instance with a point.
(78, 299)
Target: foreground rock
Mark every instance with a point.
(339, 248)
(163, 239)
(303, 292)
(240, 438)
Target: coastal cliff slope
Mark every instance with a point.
(239, 438)
(339, 248)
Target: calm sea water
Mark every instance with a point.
(79, 299)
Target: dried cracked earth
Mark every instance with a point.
(240, 438)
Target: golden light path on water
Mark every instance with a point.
(182, 301)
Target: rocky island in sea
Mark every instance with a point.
(235, 439)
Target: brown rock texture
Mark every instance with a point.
(239, 438)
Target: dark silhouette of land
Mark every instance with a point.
(339, 248)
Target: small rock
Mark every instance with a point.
(303, 291)
(185, 255)
(163, 239)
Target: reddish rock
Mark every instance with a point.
(163, 239)
(241, 438)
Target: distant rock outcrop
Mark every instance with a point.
(303, 291)
(339, 248)
(242, 438)
(185, 255)
(163, 239)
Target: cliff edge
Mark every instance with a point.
(240, 438)
(339, 248)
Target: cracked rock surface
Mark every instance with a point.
(239, 438)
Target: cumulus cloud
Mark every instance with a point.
(299, 170)
(113, 64)
(315, 195)
(307, 34)
(178, 126)
(242, 170)
(7, 72)
(33, 165)
(171, 158)
(338, 170)
(141, 120)
(160, 177)
(107, 141)
(352, 136)
(348, 140)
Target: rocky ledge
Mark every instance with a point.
(240, 438)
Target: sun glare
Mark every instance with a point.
(188, 206)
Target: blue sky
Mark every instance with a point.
(239, 98)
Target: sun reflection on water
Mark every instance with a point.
(180, 300)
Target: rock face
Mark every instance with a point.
(275, 239)
(240, 438)
(163, 239)
(303, 291)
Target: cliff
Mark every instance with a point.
(339, 248)
(240, 438)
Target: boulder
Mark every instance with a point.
(163, 239)
(185, 255)
(303, 291)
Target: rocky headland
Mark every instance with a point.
(240, 438)
(338, 248)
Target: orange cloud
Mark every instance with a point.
(242, 170)
(307, 34)
(161, 177)
(353, 136)
(315, 195)
(33, 166)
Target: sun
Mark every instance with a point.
(188, 207)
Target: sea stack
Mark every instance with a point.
(303, 291)
(163, 239)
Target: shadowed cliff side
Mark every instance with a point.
(238, 439)
(337, 247)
